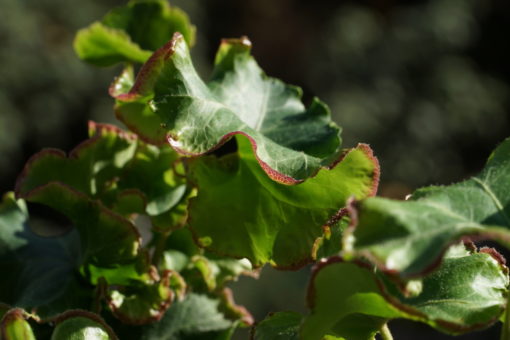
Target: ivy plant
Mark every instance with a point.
(212, 179)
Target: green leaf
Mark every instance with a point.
(291, 142)
(196, 317)
(279, 326)
(127, 175)
(152, 173)
(133, 272)
(15, 327)
(82, 325)
(101, 45)
(330, 243)
(202, 270)
(106, 238)
(141, 304)
(40, 272)
(408, 237)
(240, 212)
(89, 168)
(351, 300)
(132, 32)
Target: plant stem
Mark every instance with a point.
(160, 248)
(385, 332)
(505, 329)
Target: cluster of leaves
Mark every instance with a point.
(216, 179)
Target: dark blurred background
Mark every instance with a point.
(426, 83)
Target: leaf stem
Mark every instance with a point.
(505, 329)
(160, 248)
(385, 332)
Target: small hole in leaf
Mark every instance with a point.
(47, 222)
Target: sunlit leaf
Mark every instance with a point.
(351, 300)
(240, 212)
(408, 237)
(170, 101)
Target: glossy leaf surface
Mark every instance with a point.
(82, 325)
(291, 142)
(130, 33)
(408, 237)
(242, 213)
(278, 326)
(467, 292)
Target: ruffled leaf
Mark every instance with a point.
(106, 238)
(142, 304)
(202, 270)
(409, 237)
(152, 174)
(40, 272)
(348, 299)
(130, 33)
(170, 101)
(196, 317)
(126, 175)
(240, 212)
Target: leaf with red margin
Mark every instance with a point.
(196, 317)
(234, 311)
(143, 304)
(152, 173)
(127, 175)
(107, 239)
(330, 243)
(278, 326)
(351, 300)
(204, 271)
(81, 324)
(408, 238)
(129, 33)
(240, 212)
(39, 272)
(14, 326)
(291, 142)
(89, 168)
